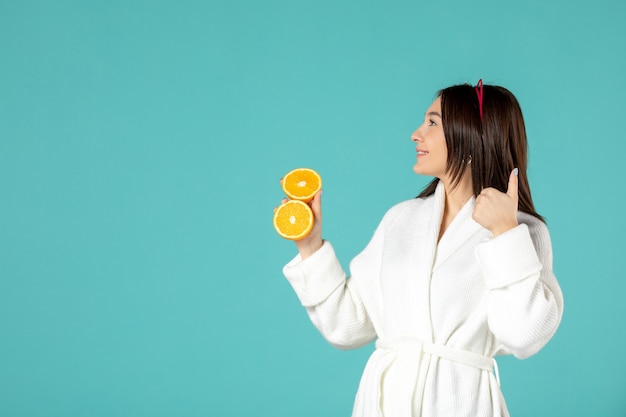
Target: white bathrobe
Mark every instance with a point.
(439, 311)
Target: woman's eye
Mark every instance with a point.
(431, 122)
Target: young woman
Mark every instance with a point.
(450, 279)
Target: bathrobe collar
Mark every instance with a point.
(462, 228)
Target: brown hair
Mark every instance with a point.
(495, 145)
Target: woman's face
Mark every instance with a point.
(432, 152)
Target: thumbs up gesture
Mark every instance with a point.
(497, 211)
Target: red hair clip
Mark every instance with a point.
(479, 93)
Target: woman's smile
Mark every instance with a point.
(429, 137)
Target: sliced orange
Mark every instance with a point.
(302, 184)
(293, 220)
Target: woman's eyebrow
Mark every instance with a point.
(433, 113)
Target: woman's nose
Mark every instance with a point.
(415, 136)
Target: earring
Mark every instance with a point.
(470, 160)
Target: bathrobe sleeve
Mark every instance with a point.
(333, 303)
(343, 309)
(524, 302)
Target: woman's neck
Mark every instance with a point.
(456, 198)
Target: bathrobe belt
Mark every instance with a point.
(412, 366)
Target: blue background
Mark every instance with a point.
(141, 143)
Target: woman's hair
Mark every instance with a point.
(494, 145)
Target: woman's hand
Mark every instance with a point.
(313, 241)
(497, 211)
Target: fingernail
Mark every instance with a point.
(516, 171)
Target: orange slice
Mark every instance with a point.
(302, 184)
(293, 220)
